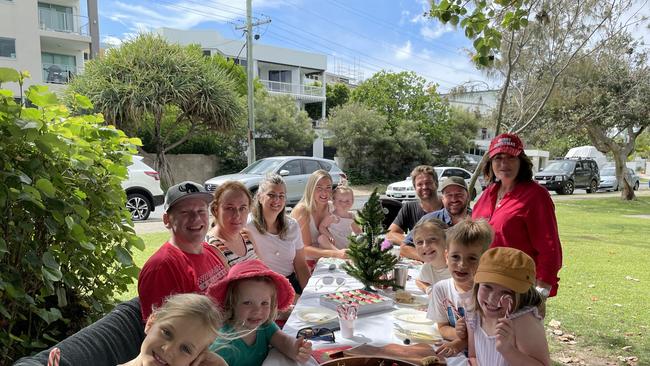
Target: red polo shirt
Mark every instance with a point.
(525, 219)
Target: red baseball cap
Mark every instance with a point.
(508, 143)
(248, 269)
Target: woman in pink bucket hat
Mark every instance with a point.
(250, 296)
(520, 211)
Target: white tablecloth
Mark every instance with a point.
(376, 328)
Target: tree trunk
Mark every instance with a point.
(627, 193)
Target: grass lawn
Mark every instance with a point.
(605, 284)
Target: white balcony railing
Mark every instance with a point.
(296, 89)
(59, 74)
(58, 21)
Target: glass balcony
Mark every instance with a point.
(59, 74)
(296, 89)
(59, 21)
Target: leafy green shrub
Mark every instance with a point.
(65, 235)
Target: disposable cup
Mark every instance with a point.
(347, 327)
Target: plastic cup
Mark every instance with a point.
(400, 275)
(347, 327)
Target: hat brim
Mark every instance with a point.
(453, 184)
(515, 285)
(284, 291)
(205, 196)
(505, 149)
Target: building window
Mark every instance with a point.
(58, 69)
(7, 47)
(207, 53)
(55, 17)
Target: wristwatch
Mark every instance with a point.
(543, 291)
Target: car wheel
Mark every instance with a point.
(139, 206)
(636, 186)
(568, 187)
(616, 188)
(593, 187)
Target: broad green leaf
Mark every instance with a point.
(81, 211)
(49, 261)
(83, 101)
(51, 274)
(46, 187)
(62, 300)
(87, 245)
(6, 93)
(69, 220)
(137, 242)
(123, 256)
(26, 125)
(41, 97)
(24, 177)
(3, 246)
(8, 75)
(31, 114)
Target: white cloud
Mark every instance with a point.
(180, 14)
(436, 30)
(112, 40)
(404, 52)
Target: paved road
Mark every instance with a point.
(154, 223)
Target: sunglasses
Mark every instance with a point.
(317, 334)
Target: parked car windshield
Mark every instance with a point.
(608, 171)
(562, 166)
(261, 166)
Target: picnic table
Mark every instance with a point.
(380, 328)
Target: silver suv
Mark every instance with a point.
(143, 192)
(294, 169)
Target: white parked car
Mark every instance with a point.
(404, 190)
(295, 170)
(143, 192)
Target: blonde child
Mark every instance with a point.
(506, 328)
(335, 228)
(251, 296)
(466, 241)
(430, 243)
(179, 332)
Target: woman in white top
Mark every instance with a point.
(312, 209)
(277, 236)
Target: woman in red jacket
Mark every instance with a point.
(520, 211)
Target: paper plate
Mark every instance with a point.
(314, 315)
(412, 316)
(418, 333)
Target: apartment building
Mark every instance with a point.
(49, 38)
(282, 71)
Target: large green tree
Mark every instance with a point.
(280, 127)
(336, 94)
(149, 78)
(364, 138)
(606, 96)
(529, 44)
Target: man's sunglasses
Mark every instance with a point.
(317, 334)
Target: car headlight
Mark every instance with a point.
(559, 178)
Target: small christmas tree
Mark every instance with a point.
(369, 252)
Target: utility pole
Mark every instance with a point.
(250, 76)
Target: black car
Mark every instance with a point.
(565, 175)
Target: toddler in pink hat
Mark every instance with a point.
(250, 296)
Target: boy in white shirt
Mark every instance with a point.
(449, 298)
(430, 243)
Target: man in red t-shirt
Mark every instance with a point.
(185, 263)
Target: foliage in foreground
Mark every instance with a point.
(65, 235)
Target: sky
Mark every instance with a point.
(358, 37)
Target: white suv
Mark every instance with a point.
(143, 192)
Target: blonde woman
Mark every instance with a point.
(278, 238)
(312, 209)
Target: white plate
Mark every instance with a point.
(419, 333)
(418, 302)
(314, 315)
(412, 316)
